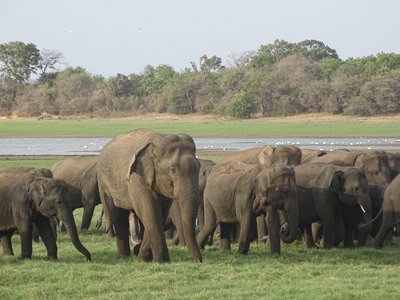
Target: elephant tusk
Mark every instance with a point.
(362, 208)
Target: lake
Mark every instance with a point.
(93, 146)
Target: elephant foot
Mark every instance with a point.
(51, 257)
(243, 249)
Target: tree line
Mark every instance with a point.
(278, 79)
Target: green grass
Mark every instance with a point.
(295, 274)
(198, 128)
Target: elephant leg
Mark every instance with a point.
(273, 223)
(380, 237)
(87, 215)
(35, 234)
(244, 233)
(308, 240)
(121, 227)
(6, 244)
(262, 229)
(154, 238)
(349, 237)
(23, 221)
(175, 237)
(145, 253)
(47, 236)
(225, 237)
(210, 223)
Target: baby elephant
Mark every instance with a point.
(30, 199)
(238, 192)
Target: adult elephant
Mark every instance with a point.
(175, 216)
(390, 211)
(143, 172)
(238, 192)
(30, 199)
(334, 196)
(80, 174)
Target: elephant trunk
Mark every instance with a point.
(289, 231)
(67, 218)
(189, 206)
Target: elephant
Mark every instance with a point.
(307, 155)
(281, 155)
(80, 174)
(238, 192)
(143, 171)
(206, 166)
(334, 196)
(377, 170)
(32, 198)
(390, 212)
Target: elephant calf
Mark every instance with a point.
(31, 198)
(238, 192)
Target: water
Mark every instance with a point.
(93, 146)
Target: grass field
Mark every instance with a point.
(295, 274)
(206, 126)
(362, 273)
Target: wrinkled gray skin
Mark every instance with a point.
(334, 196)
(206, 166)
(377, 170)
(282, 155)
(80, 174)
(390, 211)
(31, 199)
(144, 171)
(238, 192)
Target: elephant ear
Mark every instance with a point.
(142, 163)
(36, 192)
(337, 181)
(264, 157)
(359, 161)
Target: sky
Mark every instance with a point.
(123, 36)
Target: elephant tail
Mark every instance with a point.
(361, 226)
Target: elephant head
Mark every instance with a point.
(376, 167)
(275, 188)
(280, 156)
(351, 186)
(171, 169)
(50, 198)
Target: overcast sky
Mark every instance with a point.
(122, 36)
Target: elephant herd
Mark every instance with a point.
(150, 183)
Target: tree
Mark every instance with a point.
(18, 60)
(49, 59)
(315, 50)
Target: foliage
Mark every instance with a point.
(278, 79)
(19, 60)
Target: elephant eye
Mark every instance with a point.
(172, 170)
(376, 173)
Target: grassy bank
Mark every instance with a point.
(206, 126)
